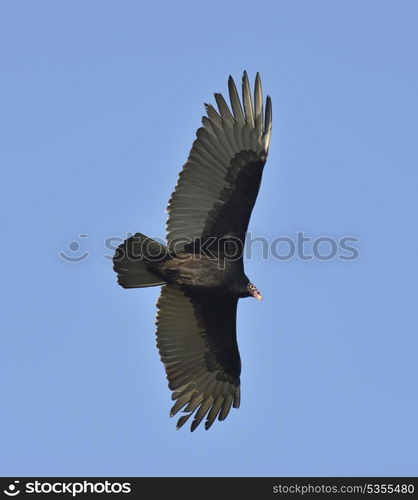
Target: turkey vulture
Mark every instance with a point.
(201, 268)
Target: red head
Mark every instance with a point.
(252, 290)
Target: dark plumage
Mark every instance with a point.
(201, 267)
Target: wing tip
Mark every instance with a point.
(268, 115)
(247, 100)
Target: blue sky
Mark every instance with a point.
(99, 105)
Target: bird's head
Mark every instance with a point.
(252, 290)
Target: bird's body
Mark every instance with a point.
(201, 267)
(210, 274)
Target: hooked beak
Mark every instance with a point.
(254, 292)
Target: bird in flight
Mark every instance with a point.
(201, 268)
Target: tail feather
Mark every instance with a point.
(136, 261)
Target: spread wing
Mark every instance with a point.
(219, 183)
(196, 337)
